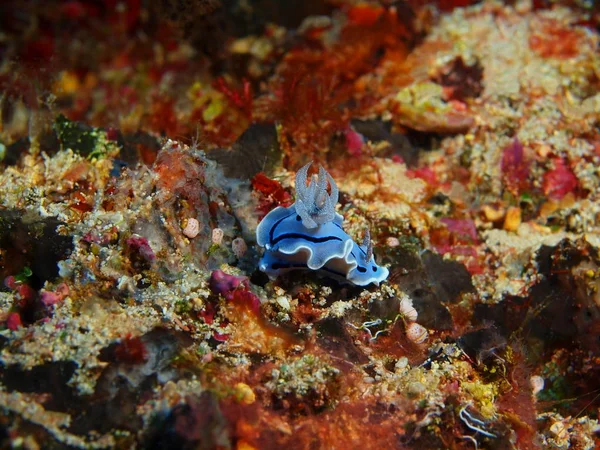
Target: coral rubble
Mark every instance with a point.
(141, 143)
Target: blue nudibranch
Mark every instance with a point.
(309, 235)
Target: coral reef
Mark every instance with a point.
(142, 143)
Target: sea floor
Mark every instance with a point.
(141, 144)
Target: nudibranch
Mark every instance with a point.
(309, 235)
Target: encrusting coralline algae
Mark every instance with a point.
(134, 312)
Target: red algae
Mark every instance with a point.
(240, 98)
(463, 229)
(178, 174)
(518, 403)
(460, 239)
(50, 298)
(234, 289)
(129, 260)
(162, 118)
(354, 142)
(81, 204)
(139, 246)
(449, 5)
(246, 298)
(222, 283)
(559, 181)
(309, 107)
(13, 321)
(365, 14)
(272, 194)
(515, 168)
(313, 88)
(131, 350)
(426, 174)
(555, 40)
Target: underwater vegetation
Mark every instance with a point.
(305, 224)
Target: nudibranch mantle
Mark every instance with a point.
(309, 235)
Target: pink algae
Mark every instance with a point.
(354, 141)
(426, 174)
(234, 289)
(140, 245)
(13, 321)
(50, 298)
(223, 283)
(559, 181)
(459, 239)
(463, 229)
(515, 167)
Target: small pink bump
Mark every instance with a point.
(192, 228)
(416, 333)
